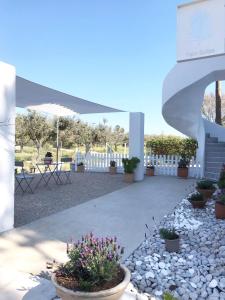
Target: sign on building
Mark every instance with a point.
(200, 29)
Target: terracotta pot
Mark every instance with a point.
(112, 170)
(128, 177)
(182, 172)
(111, 294)
(149, 172)
(198, 204)
(80, 169)
(172, 245)
(207, 194)
(220, 210)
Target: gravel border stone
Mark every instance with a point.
(198, 271)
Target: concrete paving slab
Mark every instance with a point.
(123, 213)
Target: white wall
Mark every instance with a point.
(200, 29)
(7, 143)
(136, 142)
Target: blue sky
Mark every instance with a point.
(114, 52)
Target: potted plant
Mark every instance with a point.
(197, 200)
(129, 166)
(220, 206)
(172, 239)
(150, 169)
(80, 167)
(206, 188)
(48, 158)
(112, 167)
(93, 271)
(182, 170)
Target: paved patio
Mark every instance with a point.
(123, 213)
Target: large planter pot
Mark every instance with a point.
(128, 177)
(207, 194)
(80, 169)
(182, 172)
(150, 172)
(172, 245)
(220, 210)
(198, 204)
(112, 170)
(111, 294)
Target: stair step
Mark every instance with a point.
(216, 153)
(215, 159)
(215, 145)
(211, 140)
(213, 164)
(212, 175)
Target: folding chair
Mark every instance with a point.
(65, 173)
(23, 177)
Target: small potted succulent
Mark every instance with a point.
(93, 271)
(112, 167)
(48, 158)
(220, 205)
(172, 239)
(206, 188)
(197, 200)
(80, 167)
(129, 166)
(182, 170)
(150, 170)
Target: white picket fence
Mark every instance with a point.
(164, 164)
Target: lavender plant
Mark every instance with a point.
(92, 261)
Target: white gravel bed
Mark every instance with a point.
(198, 271)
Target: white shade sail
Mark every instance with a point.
(53, 109)
(29, 94)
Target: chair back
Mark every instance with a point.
(19, 163)
(66, 159)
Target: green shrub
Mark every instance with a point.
(172, 145)
(168, 296)
(168, 234)
(195, 197)
(221, 198)
(183, 162)
(130, 164)
(221, 184)
(205, 185)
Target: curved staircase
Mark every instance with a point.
(183, 95)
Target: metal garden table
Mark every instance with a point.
(50, 171)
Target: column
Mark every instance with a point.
(7, 145)
(136, 142)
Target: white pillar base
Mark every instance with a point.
(7, 142)
(136, 142)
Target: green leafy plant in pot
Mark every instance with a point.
(197, 200)
(92, 271)
(206, 188)
(129, 166)
(220, 205)
(182, 170)
(150, 170)
(172, 239)
(80, 167)
(112, 167)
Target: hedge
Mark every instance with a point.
(171, 145)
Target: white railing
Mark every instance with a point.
(164, 164)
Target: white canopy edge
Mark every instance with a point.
(29, 93)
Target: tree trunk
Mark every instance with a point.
(218, 103)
